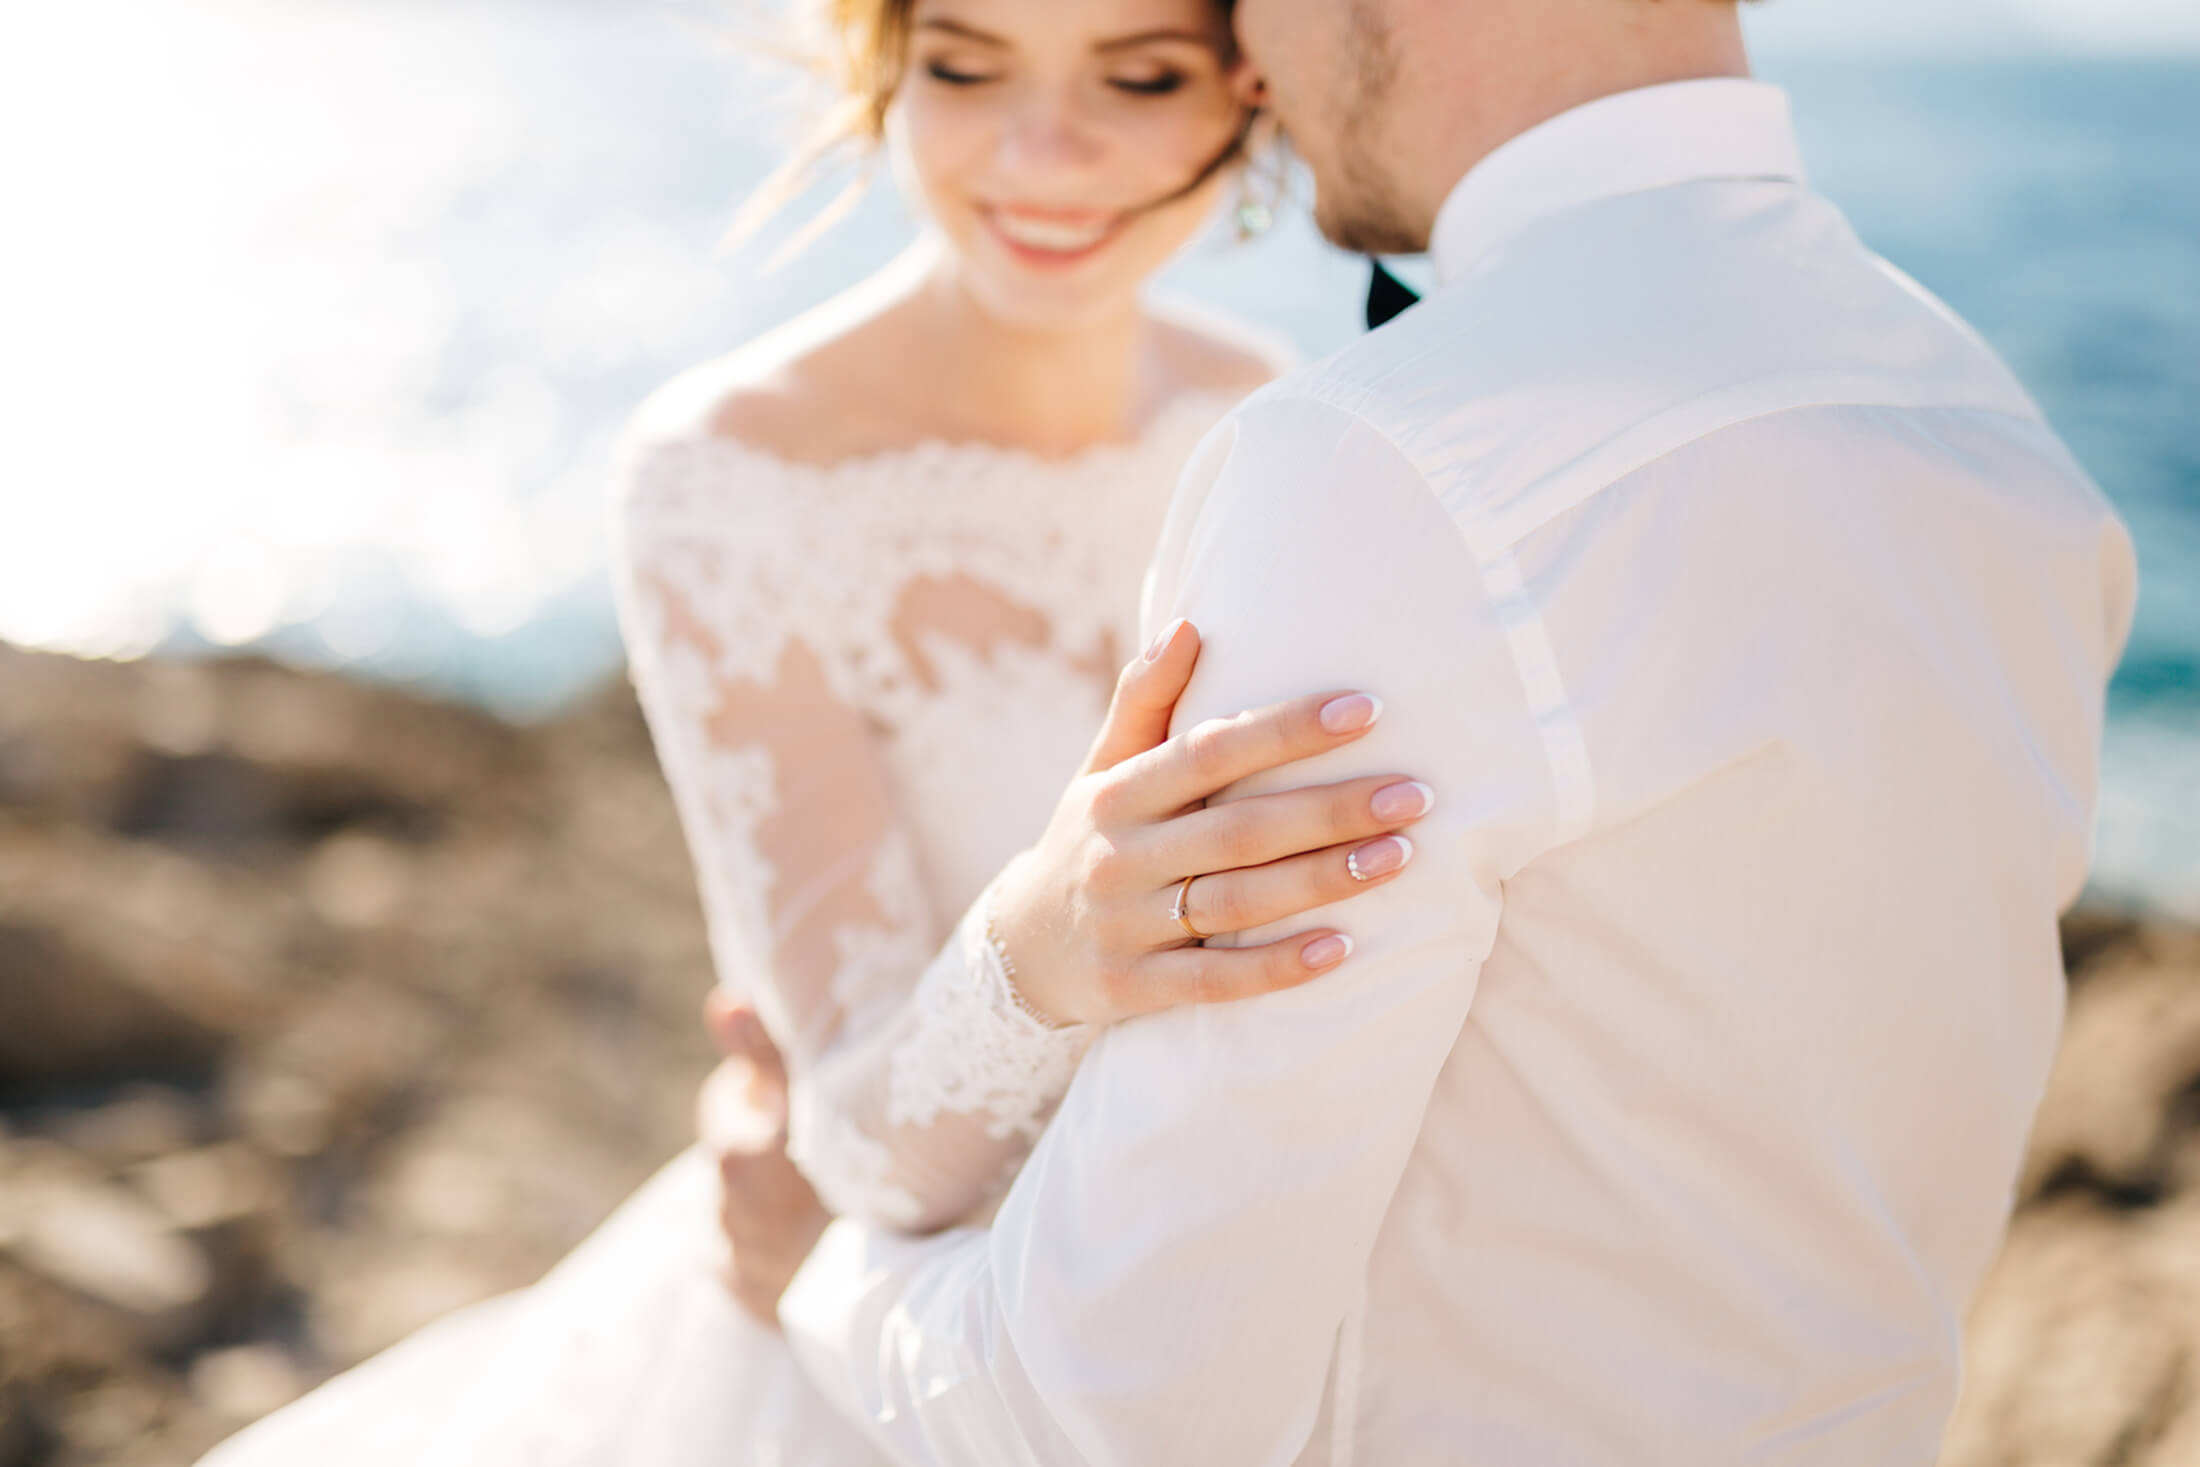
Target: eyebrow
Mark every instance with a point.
(1147, 38)
(1114, 43)
(967, 32)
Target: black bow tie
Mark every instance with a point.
(1387, 295)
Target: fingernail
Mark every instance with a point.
(1379, 857)
(1351, 712)
(1326, 952)
(1408, 801)
(1161, 643)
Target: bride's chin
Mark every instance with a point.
(1025, 300)
(1050, 306)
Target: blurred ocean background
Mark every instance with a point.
(319, 315)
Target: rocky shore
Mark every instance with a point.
(324, 1010)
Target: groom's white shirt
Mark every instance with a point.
(1753, 630)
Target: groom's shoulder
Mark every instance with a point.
(1390, 382)
(1566, 361)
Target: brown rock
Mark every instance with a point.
(2131, 1048)
(284, 1113)
(65, 1012)
(206, 1188)
(244, 1382)
(369, 1308)
(139, 1122)
(355, 879)
(101, 1241)
(100, 1423)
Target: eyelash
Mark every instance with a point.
(1160, 86)
(954, 78)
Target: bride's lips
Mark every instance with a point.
(1048, 238)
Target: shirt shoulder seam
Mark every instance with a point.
(1528, 639)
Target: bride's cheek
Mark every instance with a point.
(1175, 155)
(937, 148)
(1185, 137)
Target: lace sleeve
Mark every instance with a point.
(920, 1120)
(917, 1083)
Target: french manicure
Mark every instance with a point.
(1326, 952)
(1379, 857)
(1352, 712)
(1408, 801)
(1161, 643)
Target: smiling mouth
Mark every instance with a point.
(1052, 238)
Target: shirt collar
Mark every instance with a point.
(1680, 132)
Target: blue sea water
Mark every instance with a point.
(2056, 206)
(417, 310)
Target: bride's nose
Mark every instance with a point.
(1046, 133)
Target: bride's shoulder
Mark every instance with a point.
(793, 395)
(1209, 351)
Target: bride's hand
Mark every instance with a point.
(1086, 915)
(766, 1207)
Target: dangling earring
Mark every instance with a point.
(1252, 216)
(1262, 178)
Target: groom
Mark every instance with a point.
(1754, 628)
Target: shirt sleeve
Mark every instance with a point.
(1167, 1278)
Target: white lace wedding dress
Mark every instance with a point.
(868, 684)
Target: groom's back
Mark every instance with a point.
(1815, 613)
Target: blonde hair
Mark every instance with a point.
(862, 54)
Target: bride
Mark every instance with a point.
(876, 573)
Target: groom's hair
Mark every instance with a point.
(860, 48)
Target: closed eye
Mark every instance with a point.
(943, 73)
(1159, 86)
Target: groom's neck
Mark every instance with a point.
(1511, 65)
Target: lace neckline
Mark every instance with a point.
(1203, 407)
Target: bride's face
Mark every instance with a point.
(1052, 143)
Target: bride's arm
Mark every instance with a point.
(915, 1080)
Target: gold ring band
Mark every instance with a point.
(1181, 910)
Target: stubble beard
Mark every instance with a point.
(1359, 208)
